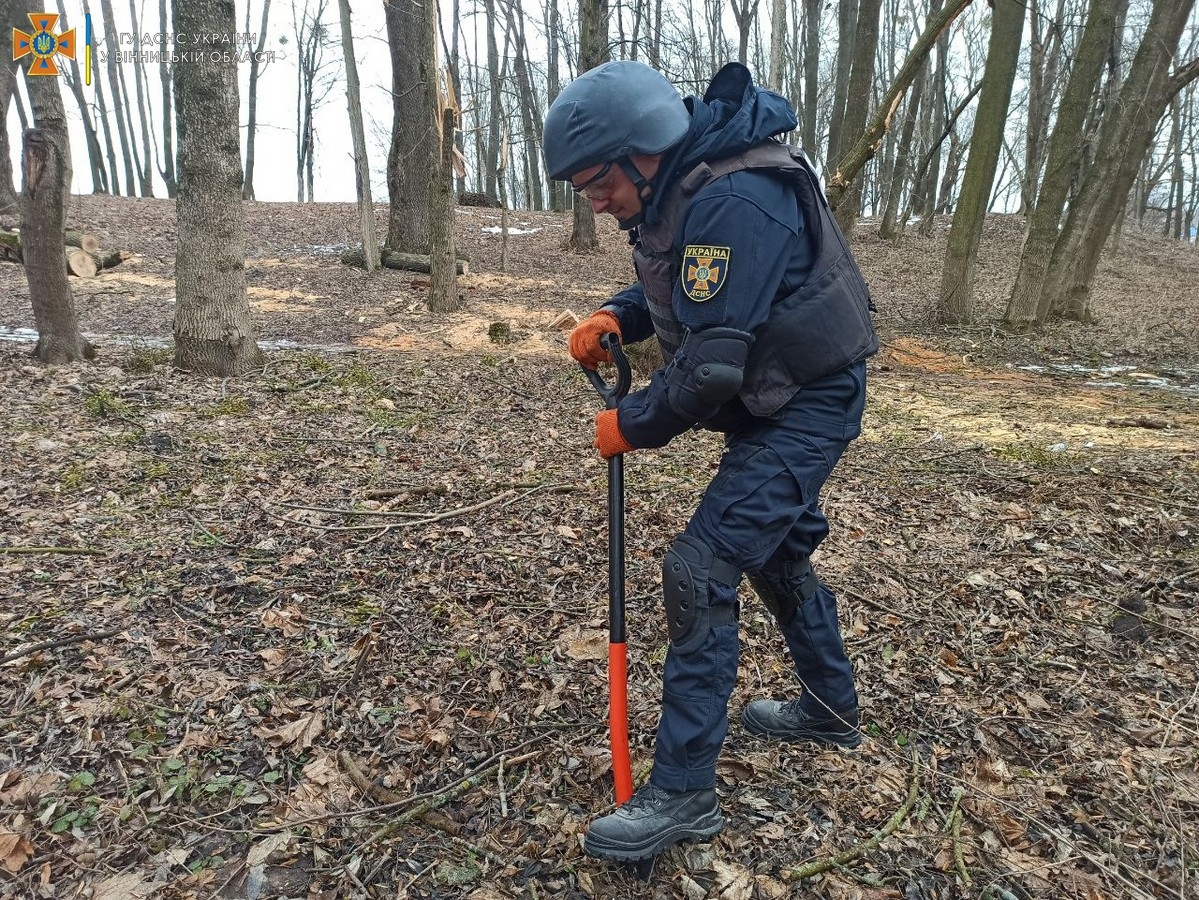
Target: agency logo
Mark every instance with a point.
(43, 43)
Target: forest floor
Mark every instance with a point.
(338, 629)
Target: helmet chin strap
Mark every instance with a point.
(644, 187)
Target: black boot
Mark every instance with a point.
(652, 820)
(790, 722)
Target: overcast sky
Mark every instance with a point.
(275, 153)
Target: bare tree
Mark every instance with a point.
(1123, 141)
(102, 113)
(167, 167)
(415, 143)
(146, 171)
(858, 101)
(214, 334)
(957, 278)
(744, 13)
(362, 169)
(312, 89)
(46, 187)
(95, 155)
(118, 106)
(247, 190)
(1063, 160)
(593, 50)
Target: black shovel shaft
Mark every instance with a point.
(612, 395)
(616, 626)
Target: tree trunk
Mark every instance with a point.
(95, 155)
(415, 130)
(167, 169)
(46, 180)
(529, 114)
(214, 334)
(1063, 159)
(1124, 138)
(118, 108)
(46, 170)
(899, 175)
(858, 98)
(778, 41)
(362, 169)
(553, 86)
(147, 178)
(114, 179)
(744, 13)
(443, 285)
(957, 279)
(811, 68)
(247, 190)
(847, 16)
(593, 50)
(495, 119)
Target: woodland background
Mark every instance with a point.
(332, 623)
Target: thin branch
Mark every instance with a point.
(61, 642)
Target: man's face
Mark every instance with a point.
(612, 191)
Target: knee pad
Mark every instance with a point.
(784, 587)
(686, 570)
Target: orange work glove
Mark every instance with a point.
(608, 438)
(584, 340)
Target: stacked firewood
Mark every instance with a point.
(81, 251)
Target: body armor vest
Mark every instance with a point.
(820, 328)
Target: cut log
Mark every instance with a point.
(82, 240)
(106, 260)
(10, 245)
(81, 263)
(393, 259)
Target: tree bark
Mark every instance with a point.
(1062, 163)
(213, 330)
(362, 169)
(46, 172)
(1124, 138)
(415, 130)
(957, 278)
(443, 283)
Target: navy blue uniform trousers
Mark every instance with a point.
(763, 505)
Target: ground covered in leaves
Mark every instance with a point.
(337, 630)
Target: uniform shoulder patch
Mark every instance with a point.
(705, 270)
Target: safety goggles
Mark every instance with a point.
(591, 189)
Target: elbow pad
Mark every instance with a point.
(707, 371)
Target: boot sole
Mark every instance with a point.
(846, 741)
(708, 827)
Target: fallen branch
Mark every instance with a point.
(393, 259)
(78, 551)
(955, 830)
(61, 642)
(816, 866)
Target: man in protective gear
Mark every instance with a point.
(763, 319)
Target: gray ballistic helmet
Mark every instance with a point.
(609, 112)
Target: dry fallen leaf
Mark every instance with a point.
(15, 850)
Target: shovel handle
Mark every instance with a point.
(612, 393)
